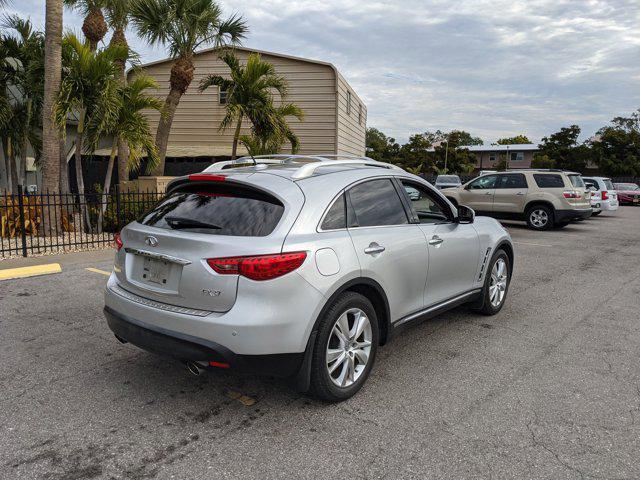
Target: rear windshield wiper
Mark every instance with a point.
(183, 222)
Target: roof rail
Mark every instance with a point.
(309, 163)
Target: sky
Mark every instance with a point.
(494, 68)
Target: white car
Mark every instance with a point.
(604, 197)
(447, 181)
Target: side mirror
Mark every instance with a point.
(465, 214)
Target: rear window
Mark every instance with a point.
(576, 180)
(546, 180)
(448, 179)
(608, 184)
(223, 210)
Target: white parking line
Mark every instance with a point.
(533, 244)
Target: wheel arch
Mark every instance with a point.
(534, 203)
(371, 290)
(508, 249)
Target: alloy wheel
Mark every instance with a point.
(539, 218)
(498, 285)
(349, 347)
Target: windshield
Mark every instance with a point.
(448, 179)
(217, 211)
(576, 180)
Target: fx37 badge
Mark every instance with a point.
(210, 293)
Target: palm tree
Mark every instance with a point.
(88, 77)
(118, 14)
(248, 91)
(270, 130)
(119, 115)
(26, 78)
(94, 26)
(183, 26)
(51, 137)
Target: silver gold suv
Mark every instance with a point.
(299, 267)
(543, 198)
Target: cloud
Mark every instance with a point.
(492, 67)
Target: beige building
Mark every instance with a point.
(335, 117)
(487, 156)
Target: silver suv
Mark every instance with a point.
(299, 267)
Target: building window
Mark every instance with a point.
(492, 157)
(348, 102)
(360, 113)
(223, 97)
(517, 156)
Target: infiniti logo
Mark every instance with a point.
(151, 241)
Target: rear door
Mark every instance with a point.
(390, 249)
(479, 193)
(510, 193)
(164, 256)
(453, 247)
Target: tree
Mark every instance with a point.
(542, 161)
(51, 154)
(563, 148)
(94, 26)
(249, 91)
(616, 147)
(183, 26)
(448, 151)
(89, 77)
(517, 140)
(25, 76)
(380, 147)
(270, 129)
(119, 116)
(417, 153)
(118, 13)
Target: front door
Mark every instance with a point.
(510, 193)
(391, 250)
(479, 193)
(453, 247)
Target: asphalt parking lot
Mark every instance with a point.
(548, 388)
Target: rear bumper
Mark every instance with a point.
(185, 347)
(573, 214)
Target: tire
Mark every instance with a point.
(488, 307)
(325, 385)
(540, 217)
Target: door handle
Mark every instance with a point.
(374, 248)
(520, 193)
(435, 241)
(488, 193)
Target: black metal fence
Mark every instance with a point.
(46, 222)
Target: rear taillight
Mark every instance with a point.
(571, 194)
(258, 267)
(605, 195)
(118, 241)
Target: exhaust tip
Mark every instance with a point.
(194, 368)
(120, 339)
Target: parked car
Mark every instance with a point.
(628, 193)
(447, 181)
(544, 198)
(603, 194)
(300, 269)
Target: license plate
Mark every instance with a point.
(155, 271)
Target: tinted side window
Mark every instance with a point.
(377, 203)
(512, 180)
(589, 182)
(336, 216)
(425, 204)
(545, 180)
(576, 180)
(484, 182)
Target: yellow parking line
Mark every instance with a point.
(97, 270)
(32, 271)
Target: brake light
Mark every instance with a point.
(258, 267)
(118, 241)
(605, 195)
(205, 177)
(571, 194)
